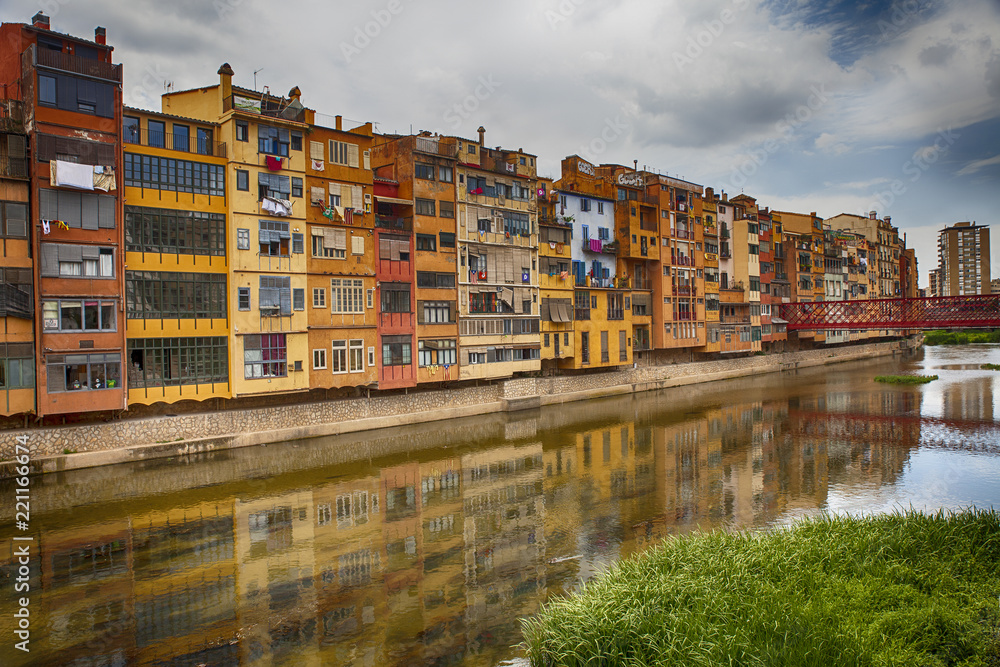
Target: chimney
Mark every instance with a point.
(339, 125)
(888, 220)
(482, 135)
(100, 35)
(40, 20)
(871, 215)
(226, 82)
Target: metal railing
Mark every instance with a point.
(397, 223)
(14, 167)
(68, 62)
(271, 107)
(173, 141)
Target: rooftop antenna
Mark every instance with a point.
(255, 77)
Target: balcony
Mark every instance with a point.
(394, 223)
(270, 107)
(681, 260)
(173, 142)
(11, 116)
(600, 246)
(723, 233)
(725, 254)
(15, 302)
(682, 234)
(435, 147)
(13, 167)
(67, 62)
(685, 290)
(582, 313)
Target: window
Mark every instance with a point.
(164, 362)
(424, 171)
(75, 261)
(515, 223)
(46, 90)
(73, 372)
(165, 230)
(264, 355)
(447, 240)
(472, 148)
(298, 299)
(14, 220)
(182, 138)
(319, 297)
(66, 315)
(242, 130)
(78, 210)
(600, 208)
(395, 298)
(296, 186)
(242, 180)
(446, 209)
(242, 239)
(149, 171)
(272, 140)
(273, 185)
(275, 296)
(584, 347)
(396, 351)
(437, 353)
(319, 359)
(394, 248)
(356, 355)
(584, 204)
(18, 369)
(298, 243)
(446, 175)
(130, 126)
(426, 242)
(296, 140)
(435, 280)
(344, 154)
(155, 133)
(206, 145)
(425, 206)
(320, 248)
(437, 312)
(346, 295)
(338, 360)
(273, 238)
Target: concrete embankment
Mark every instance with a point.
(183, 435)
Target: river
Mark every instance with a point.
(429, 550)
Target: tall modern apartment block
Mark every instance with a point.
(964, 259)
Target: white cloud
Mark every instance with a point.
(973, 167)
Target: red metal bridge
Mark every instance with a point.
(980, 311)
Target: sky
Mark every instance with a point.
(833, 107)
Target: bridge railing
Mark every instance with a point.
(945, 312)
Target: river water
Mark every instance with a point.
(429, 549)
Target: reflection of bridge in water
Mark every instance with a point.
(904, 430)
(976, 311)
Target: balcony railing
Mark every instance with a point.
(398, 224)
(682, 234)
(14, 167)
(725, 254)
(582, 313)
(681, 260)
(68, 62)
(265, 106)
(11, 116)
(724, 233)
(435, 147)
(173, 141)
(685, 290)
(15, 302)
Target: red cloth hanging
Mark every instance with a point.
(273, 163)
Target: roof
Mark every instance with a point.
(35, 28)
(170, 115)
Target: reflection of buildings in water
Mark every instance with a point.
(277, 596)
(86, 574)
(968, 400)
(689, 468)
(504, 549)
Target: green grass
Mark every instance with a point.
(900, 589)
(990, 367)
(905, 379)
(941, 337)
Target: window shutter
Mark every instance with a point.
(357, 198)
(340, 239)
(285, 296)
(298, 243)
(49, 203)
(352, 155)
(367, 160)
(316, 196)
(17, 220)
(50, 259)
(316, 150)
(105, 212)
(333, 151)
(89, 212)
(15, 146)
(420, 312)
(357, 245)
(69, 208)
(55, 378)
(90, 252)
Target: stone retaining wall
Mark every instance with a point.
(68, 447)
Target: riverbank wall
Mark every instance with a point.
(55, 449)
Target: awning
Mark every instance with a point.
(394, 200)
(560, 312)
(778, 320)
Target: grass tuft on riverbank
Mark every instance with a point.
(899, 589)
(905, 379)
(990, 367)
(942, 337)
